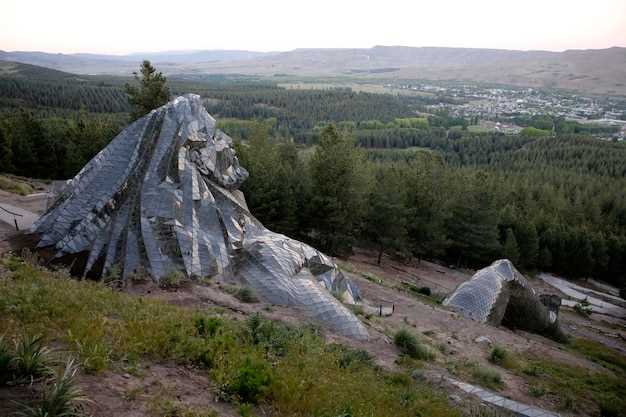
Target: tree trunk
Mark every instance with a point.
(380, 253)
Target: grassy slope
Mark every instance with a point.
(291, 372)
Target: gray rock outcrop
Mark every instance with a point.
(163, 198)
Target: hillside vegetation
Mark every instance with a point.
(285, 371)
(423, 186)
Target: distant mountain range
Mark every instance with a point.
(601, 71)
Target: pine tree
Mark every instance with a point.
(6, 153)
(545, 259)
(385, 221)
(338, 187)
(511, 250)
(473, 225)
(151, 93)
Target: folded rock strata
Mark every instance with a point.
(500, 294)
(163, 198)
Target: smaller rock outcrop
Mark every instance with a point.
(500, 294)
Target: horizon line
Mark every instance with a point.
(181, 51)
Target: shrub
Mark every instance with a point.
(425, 291)
(583, 308)
(246, 295)
(252, 380)
(172, 281)
(274, 337)
(32, 359)
(164, 407)
(536, 391)
(62, 399)
(502, 357)
(353, 357)
(487, 377)
(14, 186)
(207, 326)
(408, 345)
(612, 407)
(6, 358)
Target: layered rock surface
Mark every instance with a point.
(163, 198)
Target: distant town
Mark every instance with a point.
(496, 108)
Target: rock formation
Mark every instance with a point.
(500, 294)
(163, 198)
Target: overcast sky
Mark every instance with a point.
(122, 26)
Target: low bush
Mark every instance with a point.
(500, 356)
(246, 295)
(6, 359)
(207, 326)
(164, 407)
(410, 346)
(32, 359)
(425, 291)
(172, 281)
(486, 377)
(536, 391)
(15, 186)
(62, 398)
(252, 380)
(583, 308)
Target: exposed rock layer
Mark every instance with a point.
(162, 198)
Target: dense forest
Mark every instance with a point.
(338, 168)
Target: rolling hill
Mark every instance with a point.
(599, 71)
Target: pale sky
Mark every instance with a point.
(122, 26)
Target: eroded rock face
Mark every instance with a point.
(500, 294)
(163, 197)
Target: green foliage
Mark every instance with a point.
(32, 359)
(246, 295)
(63, 398)
(173, 280)
(207, 326)
(591, 390)
(151, 93)
(14, 186)
(473, 225)
(599, 353)
(6, 359)
(583, 308)
(499, 355)
(486, 377)
(339, 184)
(534, 132)
(54, 147)
(410, 346)
(561, 196)
(275, 189)
(511, 250)
(536, 391)
(424, 291)
(164, 407)
(252, 380)
(291, 371)
(385, 219)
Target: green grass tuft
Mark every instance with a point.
(410, 346)
(500, 356)
(63, 398)
(487, 377)
(15, 186)
(32, 359)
